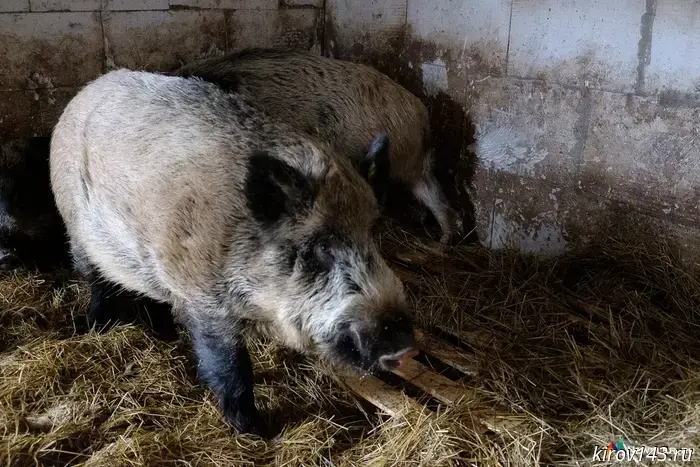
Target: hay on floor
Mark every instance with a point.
(581, 350)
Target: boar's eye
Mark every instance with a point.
(324, 253)
(319, 255)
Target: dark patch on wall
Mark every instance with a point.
(679, 99)
(165, 41)
(186, 8)
(66, 59)
(644, 50)
(583, 123)
(18, 114)
(452, 132)
(283, 4)
(293, 30)
(297, 34)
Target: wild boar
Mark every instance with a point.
(32, 234)
(346, 104)
(176, 190)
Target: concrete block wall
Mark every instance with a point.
(49, 48)
(555, 120)
(584, 115)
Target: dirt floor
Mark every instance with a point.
(573, 352)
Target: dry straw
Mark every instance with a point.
(580, 350)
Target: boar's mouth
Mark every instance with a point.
(345, 350)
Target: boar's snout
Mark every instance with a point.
(383, 342)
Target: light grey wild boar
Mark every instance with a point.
(344, 103)
(177, 190)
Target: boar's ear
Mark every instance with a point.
(274, 189)
(374, 166)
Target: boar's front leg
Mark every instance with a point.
(225, 366)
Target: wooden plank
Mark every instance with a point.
(393, 402)
(443, 389)
(447, 353)
(481, 339)
(379, 394)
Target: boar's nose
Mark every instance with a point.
(387, 342)
(395, 360)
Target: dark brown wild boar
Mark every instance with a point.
(31, 230)
(344, 103)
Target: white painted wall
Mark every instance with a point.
(583, 110)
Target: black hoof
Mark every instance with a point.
(251, 424)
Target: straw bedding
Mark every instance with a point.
(576, 351)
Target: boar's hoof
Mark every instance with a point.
(248, 423)
(9, 261)
(446, 239)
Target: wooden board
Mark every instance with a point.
(447, 353)
(379, 394)
(443, 389)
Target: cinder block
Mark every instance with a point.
(537, 217)
(63, 48)
(163, 40)
(126, 5)
(526, 128)
(532, 215)
(355, 26)
(18, 110)
(228, 4)
(645, 155)
(442, 79)
(475, 32)
(294, 28)
(14, 6)
(367, 15)
(529, 140)
(675, 47)
(65, 5)
(577, 42)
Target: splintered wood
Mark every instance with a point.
(444, 390)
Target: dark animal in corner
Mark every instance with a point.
(32, 234)
(343, 103)
(177, 190)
